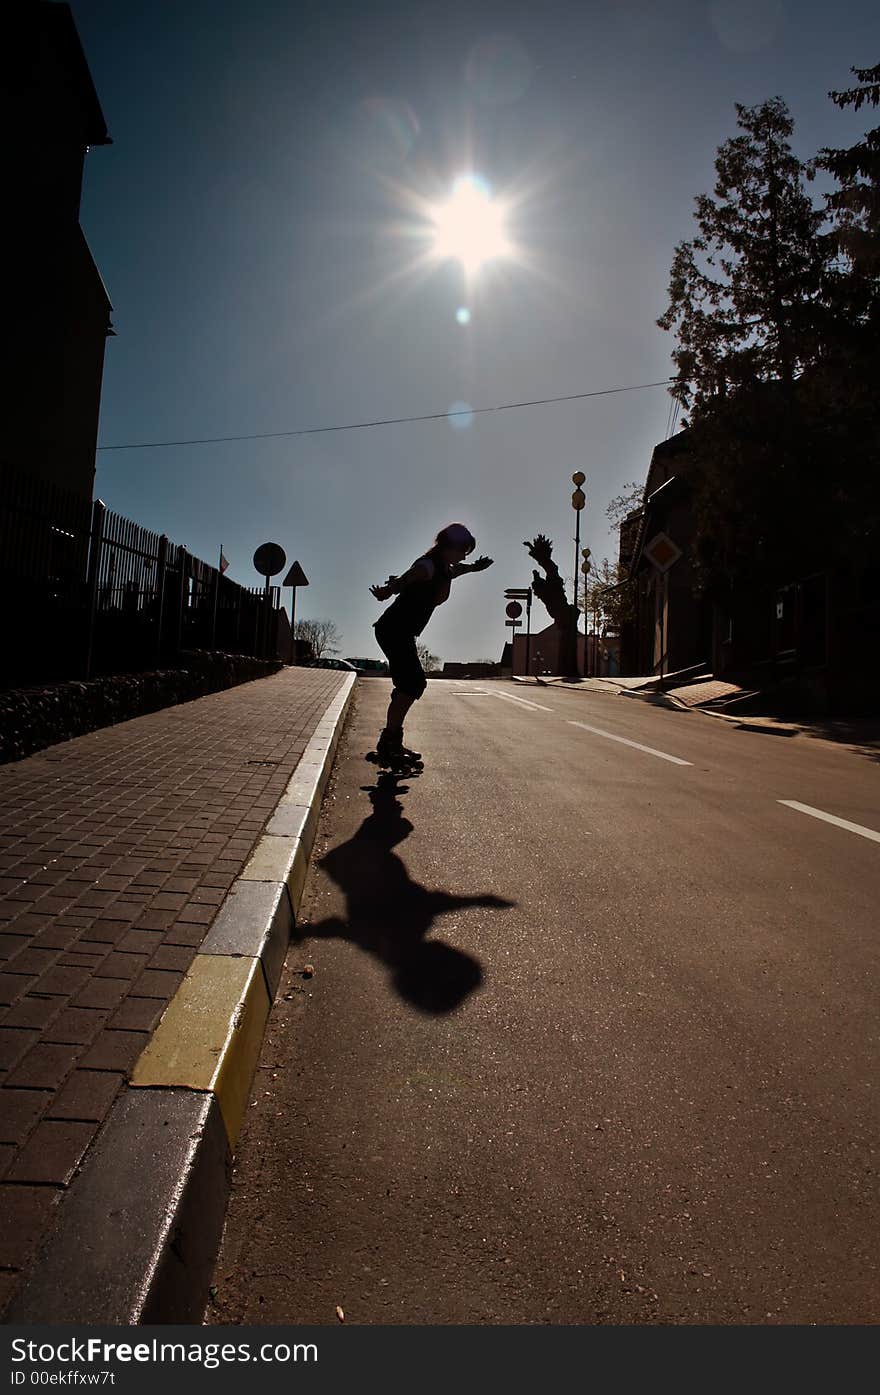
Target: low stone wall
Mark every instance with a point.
(33, 718)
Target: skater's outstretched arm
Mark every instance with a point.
(419, 571)
(480, 565)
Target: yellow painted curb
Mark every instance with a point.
(270, 861)
(211, 1034)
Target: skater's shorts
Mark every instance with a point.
(407, 673)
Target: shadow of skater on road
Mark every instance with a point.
(389, 915)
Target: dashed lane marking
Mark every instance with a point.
(831, 818)
(597, 731)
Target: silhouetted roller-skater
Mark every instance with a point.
(418, 592)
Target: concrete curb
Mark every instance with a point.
(770, 726)
(138, 1232)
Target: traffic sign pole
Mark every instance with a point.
(524, 593)
(295, 577)
(269, 558)
(513, 625)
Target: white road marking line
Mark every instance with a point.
(507, 697)
(597, 731)
(831, 818)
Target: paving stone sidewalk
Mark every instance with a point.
(116, 851)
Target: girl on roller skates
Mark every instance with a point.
(422, 588)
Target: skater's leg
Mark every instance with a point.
(409, 683)
(390, 741)
(397, 709)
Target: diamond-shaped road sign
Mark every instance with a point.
(662, 552)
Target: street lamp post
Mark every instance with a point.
(578, 499)
(585, 568)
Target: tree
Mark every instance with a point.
(843, 405)
(855, 205)
(608, 601)
(746, 302)
(322, 635)
(550, 589)
(626, 503)
(744, 293)
(428, 661)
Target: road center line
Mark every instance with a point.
(831, 818)
(597, 731)
(506, 697)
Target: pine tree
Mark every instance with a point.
(842, 410)
(746, 303)
(743, 293)
(856, 204)
(854, 207)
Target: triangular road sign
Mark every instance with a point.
(296, 576)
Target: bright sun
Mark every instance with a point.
(470, 227)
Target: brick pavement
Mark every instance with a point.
(116, 850)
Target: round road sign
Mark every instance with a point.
(514, 610)
(269, 559)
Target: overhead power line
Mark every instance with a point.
(386, 421)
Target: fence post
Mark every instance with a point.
(184, 578)
(161, 563)
(217, 578)
(96, 540)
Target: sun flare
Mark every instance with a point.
(469, 228)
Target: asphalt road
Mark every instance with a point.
(591, 1034)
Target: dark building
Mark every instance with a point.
(671, 627)
(56, 321)
(811, 634)
(57, 309)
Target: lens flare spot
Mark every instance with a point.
(463, 315)
(744, 26)
(390, 128)
(461, 415)
(498, 70)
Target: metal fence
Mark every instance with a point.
(88, 592)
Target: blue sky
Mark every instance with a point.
(260, 223)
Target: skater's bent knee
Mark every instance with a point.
(410, 689)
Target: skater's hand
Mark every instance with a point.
(481, 564)
(383, 592)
